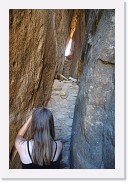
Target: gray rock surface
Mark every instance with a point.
(93, 140)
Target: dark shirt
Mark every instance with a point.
(53, 165)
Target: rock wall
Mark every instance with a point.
(93, 140)
(37, 45)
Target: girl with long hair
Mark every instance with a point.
(41, 151)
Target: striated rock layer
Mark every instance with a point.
(93, 144)
(37, 45)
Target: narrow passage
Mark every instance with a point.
(62, 105)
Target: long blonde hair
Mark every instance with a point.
(43, 134)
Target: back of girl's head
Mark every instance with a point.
(43, 132)
(42, 121)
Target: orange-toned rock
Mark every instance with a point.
(36, 49)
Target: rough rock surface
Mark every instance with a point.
(62, 103)
(93, 144)
(37, 45)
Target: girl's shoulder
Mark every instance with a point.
(19, 140)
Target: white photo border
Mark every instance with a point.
(119, 171)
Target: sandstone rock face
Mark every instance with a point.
(93, 144)
(37, 44)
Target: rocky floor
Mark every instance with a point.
(62, 105)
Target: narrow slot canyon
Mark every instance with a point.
(65, 60)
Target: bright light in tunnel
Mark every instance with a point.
(67, 52)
